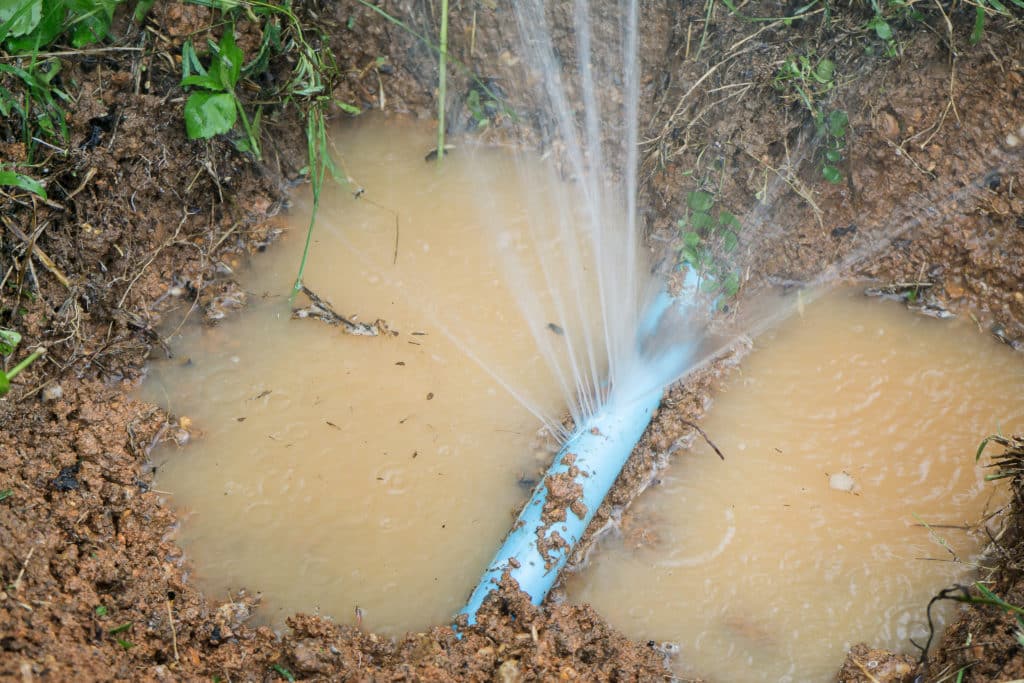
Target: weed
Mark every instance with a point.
(120, 629)
(808, 80)
(31, 98)
(9, 340)
(982, 8)
(214, 109)
(21, 181)
(5, 494)
(707, 241)
(101, 611)
(831, 129)
(963, 595)
(1010, 463)
(285, 673)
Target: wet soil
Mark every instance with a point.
(142, 220)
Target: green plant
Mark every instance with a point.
(707, 242)
(21, 181)
(215, 107)
(831, 129)
(31, 97)
(805, 79)
(284, 673)
(1009, 464)
(9, 340)
(982, 8)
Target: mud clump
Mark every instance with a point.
(564, 493)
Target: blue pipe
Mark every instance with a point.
(539, 545)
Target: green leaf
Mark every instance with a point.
(284, 672)
(689, 255)
(209, 114)
(710, 286)
(190, 62)
(6, 493)
(700, 220)
(824, 71)
(50, 26)
(12, 179)
(691, 240)
(731, 285)
(700, 201)
(91, 20)
(730, 241)
(231, 58)
(120, 629)
(141, 10)
(728, 220)
(9, 340)
(881, 28)
(833, 156)
(831, 174)
(19, 17)
(125, 644)
(348, 108)
(837, 122)
(979, 25)
(5, 383)
(101, 611)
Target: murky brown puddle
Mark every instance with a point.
(766, 567)
(334, 472)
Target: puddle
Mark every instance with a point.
(764, 567)
(334, 471)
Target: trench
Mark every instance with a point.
(371, 478)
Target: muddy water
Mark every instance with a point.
(332, 471)
(767, 566)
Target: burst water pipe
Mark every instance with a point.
(536, 549)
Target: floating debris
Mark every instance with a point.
(322, 310)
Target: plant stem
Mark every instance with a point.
(315, 133)
(442, 80)
(25, 363)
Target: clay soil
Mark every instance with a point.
(140, 221)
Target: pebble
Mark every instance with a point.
(889, 127)
(52, 392)
(1012, 140)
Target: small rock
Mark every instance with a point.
(509, 672)
(1012, 140)
(888, 126)
(52, 392)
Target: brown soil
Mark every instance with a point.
(142, 220)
